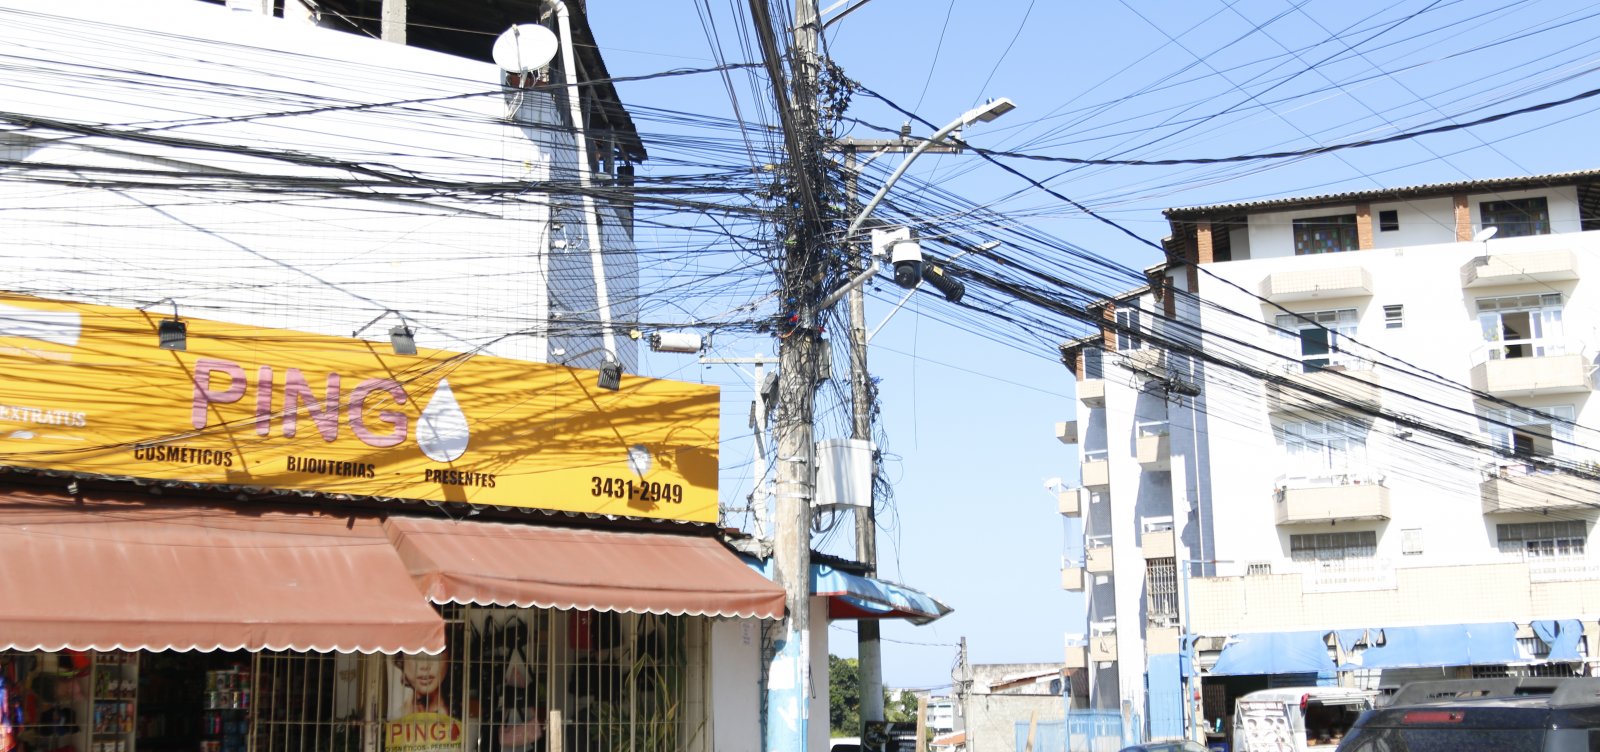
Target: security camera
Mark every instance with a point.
(907, 257)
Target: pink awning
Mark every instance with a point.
(491, 563)
(121, 572)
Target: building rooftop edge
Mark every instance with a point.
(1426, 189)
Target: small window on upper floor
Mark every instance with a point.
(1128, 330)
(1516, 217)
(1394, 316)
(1093, 363)
(1325, 234)
(1388, 220)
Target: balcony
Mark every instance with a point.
(1070, 502)
(1153, 447)
(1077, 652)
(1097, 554)
(1102, 641)
(1067, 431)
(1072, 577)
(1326, 388)
(1331, 497)
(1520, 268)
(1308, 284)
(1551, 373)
(1149, 361)
(1096, 469)
(1092, 392)
(1157, 538)
(1529, 487)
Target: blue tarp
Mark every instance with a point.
(1442, 645)
(1186, 661)
(1274, 653)
(1349, 637)
(1562, 636)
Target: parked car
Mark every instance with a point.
(1484, 715)
(1183, 746)
(1297, 719)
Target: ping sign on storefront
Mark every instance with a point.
(85, 388)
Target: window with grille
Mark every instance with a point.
(1317, 338)
(1161, 588)
(1536, 540)
(1362, 544)
(618, 682)
(1332, 234)
(1522, 326)
(1517, 217)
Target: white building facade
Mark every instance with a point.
(1345, 440)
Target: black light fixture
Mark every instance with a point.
(610, 375)
(401, 339)
(171, 334)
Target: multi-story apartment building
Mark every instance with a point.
(1341, 439)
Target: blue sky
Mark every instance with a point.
(969, 416)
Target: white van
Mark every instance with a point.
(1297, 719)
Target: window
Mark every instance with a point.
(1128, 330)
(1539, 540)
(1388, 220)
(1161, 588)
(1333, 546)
(1522, 326)
(1093, 363)
(1529, 435)
(1325, 234)
(1411, 541)
(1394, 316)
(1323, 449)
(1516, 217)
(1316, 338)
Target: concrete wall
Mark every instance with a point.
(992, 719)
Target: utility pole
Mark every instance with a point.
(869, 653)
(758, 426)
(788, 676)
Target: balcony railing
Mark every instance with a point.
(1350, 379)
(1534, 485)
(1527, 367)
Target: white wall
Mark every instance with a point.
(736, 685)
(464, 271)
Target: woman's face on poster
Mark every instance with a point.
(425, 673)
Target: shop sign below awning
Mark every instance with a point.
(492, 563)
(119, 573)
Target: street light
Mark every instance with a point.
(987, 113)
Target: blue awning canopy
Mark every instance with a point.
(1274, 653)
(1441, 645)
(852, 596)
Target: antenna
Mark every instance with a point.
(524, 48)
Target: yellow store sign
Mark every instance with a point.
(85, 388)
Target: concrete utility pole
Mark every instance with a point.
(393, 28)
(789, 666)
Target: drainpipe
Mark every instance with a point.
(569, 64)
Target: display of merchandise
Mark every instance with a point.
(113, 687)
(227, 710)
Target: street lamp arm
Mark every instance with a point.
(989, 111)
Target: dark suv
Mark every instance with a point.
(1484, 715)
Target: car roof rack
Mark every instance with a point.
(1562, 691)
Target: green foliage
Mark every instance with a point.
(844, 697)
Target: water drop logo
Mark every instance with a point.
(639, 460)
(443, 433)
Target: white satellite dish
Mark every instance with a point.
(524, 48)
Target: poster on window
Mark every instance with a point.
(424, 713)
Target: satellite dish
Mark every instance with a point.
(524, 48)
(1484, 234)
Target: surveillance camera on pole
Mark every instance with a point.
(903, 251)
